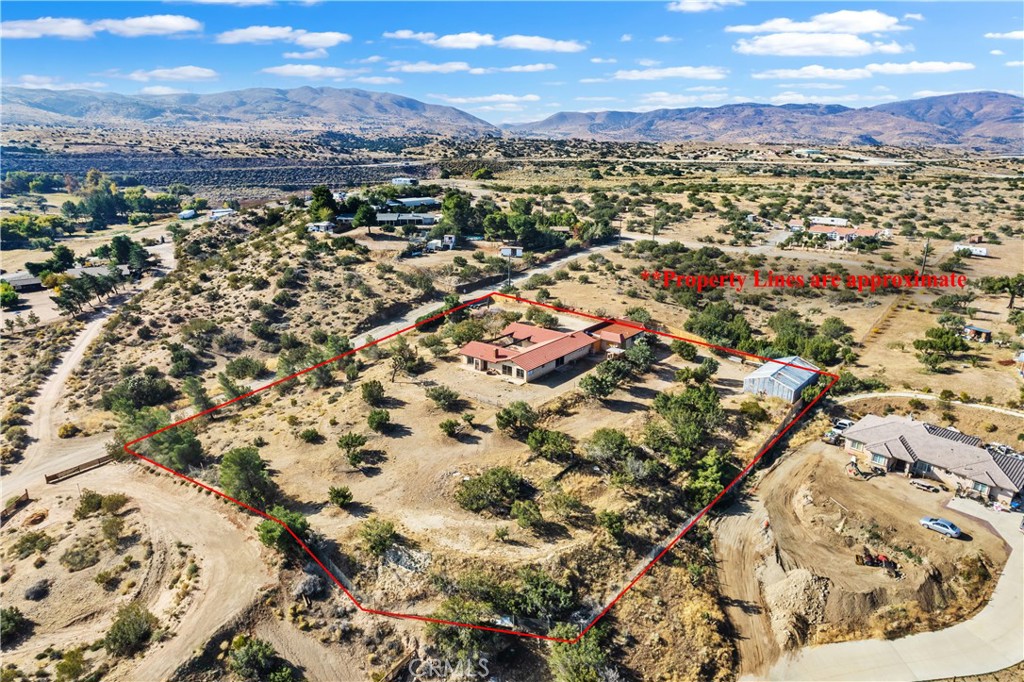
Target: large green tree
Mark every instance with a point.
(243, 475)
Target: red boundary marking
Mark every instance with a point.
(505, 631)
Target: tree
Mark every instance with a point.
(526, 513)
(609, 445)
(483, 174)
(340, 496)
(13, 625)
(251, 658)
(1012, 285)
(457, 643)
(72, 665)
(131, 630)
(450, 427)
(404, 358)
(8, 296)
(684, 349)
(582, 661)
(352, 444)
(373, 393)
(196, 392)
(597, 385)
(553, 445)
(322, 201)
(943, 341)
(243, 475)
(177, 448)
(444, 397)
(518, 418)
(614, 523)
(274, 535)
(379, 420)
(378, 536)
(456, 213)
(365, 216)
(712, 474)
(495, 490)
(111, 527)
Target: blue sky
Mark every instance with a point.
(507, 62)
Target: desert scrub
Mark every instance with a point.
(33, 541)
(80, 556)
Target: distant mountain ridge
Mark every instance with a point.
(975, 119)
(342, 109)
(981, 120)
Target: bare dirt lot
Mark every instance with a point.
(787, 557)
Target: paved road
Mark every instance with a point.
(992, 640)
(928, 396)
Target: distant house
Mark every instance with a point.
(784, 378)
(971, 250)
(221, 213)
(406, 219)
(846, 234)
(972, 333)
(415, 202)
(524, 352)
(24, 282)
(404, 181)
(1018, 362)
(187, 215)
(339, 196)
(325, 227)
(795, 225)
(905, 445)
(828, 220)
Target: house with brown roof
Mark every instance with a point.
(902, 444)
(524, 352)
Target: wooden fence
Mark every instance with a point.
(75, 470)
(13, 506)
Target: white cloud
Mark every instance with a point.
(912, 68)
(377, 80)
(998, 53)
(286, 34)
(487, 99)
(472, 40)
(661, 99)
(648, 62)
(816, 71)
(429, 67)
(913, 16)
(815, 45)
(51, 83)
(372, 59)
(318, 53)
(803, 98)
(156, 25)
(1015, 63)
(540, 44)
(1012, 35)
(696, 72)
(603, 60)
(525, 68)
(311, 71)
(501, 107)
(664, 39)
(626, 37)
(811, 86)
(843, 21)
(813, 71)
(597, 99)
(236, 3)
(161, 90)
(464, 41)
(593, 80)
(701, 5)
(132, 27)
(707, 88)
(178, 73)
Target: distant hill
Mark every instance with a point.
(348, 110)
(982, 120)
(988, 120)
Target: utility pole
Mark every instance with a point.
(924, 256)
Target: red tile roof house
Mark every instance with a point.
(524, 353)
(905, 445)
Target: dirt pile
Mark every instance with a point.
(795, 603)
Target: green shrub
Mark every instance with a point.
(311, 435)
(13, 625)
(495, 490)
(526, 513)
(378, 536)
(340, 496)
(80, 556)
(32, 541)
(132, 629)
(444, 397)
(379, 420)
(373, 393)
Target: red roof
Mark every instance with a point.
(543, 353)
(614, 330)
(529, 332)
(488, 352)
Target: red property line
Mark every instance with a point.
(428, 619)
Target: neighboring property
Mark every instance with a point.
(972, 333)
(1018, 362)
(784, 378)
(415, 202)
(325, 226)
(523, 352)
(828, 221)
(399, 219)
(905, 445)
(24, 282)
(404, 181)
(847, 234)
(218, 213)
(970, 250)
(187, 215)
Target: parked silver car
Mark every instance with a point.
(947, 528)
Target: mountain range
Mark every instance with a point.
(981, 120)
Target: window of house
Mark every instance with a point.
(878, 459)
(923, 467)
(521, 374)
(980, 488)
(856, 445)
